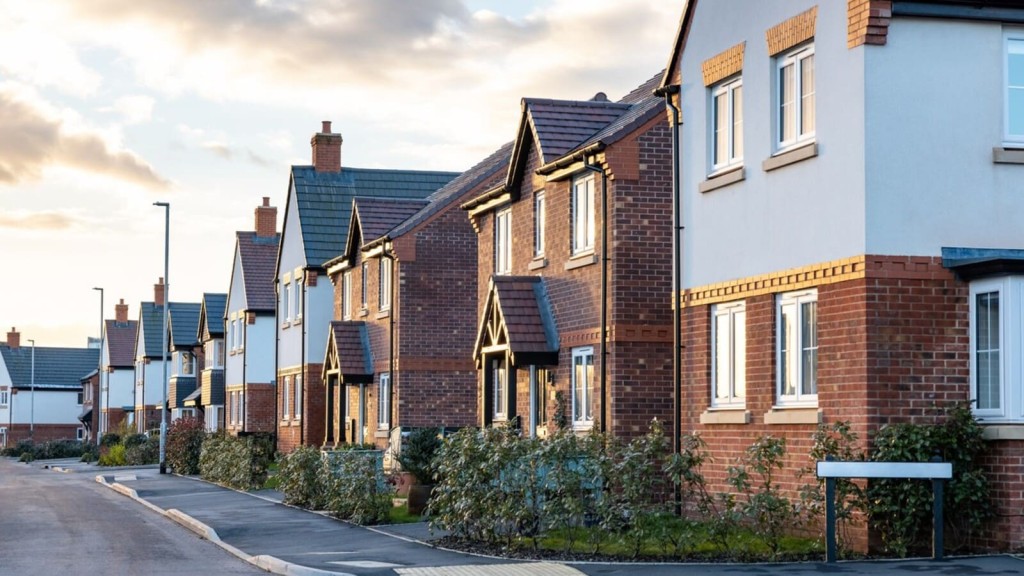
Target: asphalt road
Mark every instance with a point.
(67, 524)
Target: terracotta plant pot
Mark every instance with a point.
(405, 480)
(419, 497)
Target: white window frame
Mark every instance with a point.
(794, 302)
(298, 397)
(1012, 40)
(733, 128)
(795, 58)
(729, 372)
(285, 399)
(581, 232)
(298, 296)
(346, 295)
(582, 408)
(1010, 334)
(384, 284)
(384, 402)
(539, 221)
(503, 242)
(186, 363)
(365, 285)
(5, 397)
(80, 434)
(286, 301)
(499, 389)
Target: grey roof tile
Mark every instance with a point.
(55, 368)
(183, 324)
(211, 315)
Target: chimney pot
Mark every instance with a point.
(266, 200)
(326, 127)
(14, 338)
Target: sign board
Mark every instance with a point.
(926, 470)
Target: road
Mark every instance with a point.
(67, 524)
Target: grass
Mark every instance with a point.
(272, 481)
(400, 515)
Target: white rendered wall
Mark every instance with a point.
(50, 407)
(259, 351)
(292, 256)
(236, 305)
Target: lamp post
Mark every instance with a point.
(99, 378)
(32, 394)
(163, 351)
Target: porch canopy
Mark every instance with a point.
(517, 321)
(348, 353)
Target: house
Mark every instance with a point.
(89, 415)
(574, 321)
(117, 394)
(208, 397)
(850, 177)
(186, 356)
(41, 392)
(149, 363)
(399, 352)
(315, 227)
(249, 317)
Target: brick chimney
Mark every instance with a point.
(14, 338)
(326, 150)
(121, 312)
(158, 292)
(266, 219)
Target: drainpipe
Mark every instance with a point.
(533, 401)
(677, 286)
(245, 364)
(392, 418)
(304, 370)
(277, 352)
(604, 291)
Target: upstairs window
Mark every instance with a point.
(583, 215)
(384, 287)
(503, 242)
(187, 363)
(364, 293)
(1013, 111)
(538, 224)
(298, 297)
(795, 97)
(727, 124)
(286, 301)
(346, 296)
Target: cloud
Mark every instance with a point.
(37, 221)
(135, 109)
(33, 140)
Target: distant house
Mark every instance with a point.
(41, 393)
(89, 415)
(398, 352)
(149, 368)
(116, 399)
(574, 266)
(314, 231)
(249, 320)
(186, 356)
(208, 396)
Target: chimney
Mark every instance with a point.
(14, 338)
(326, 150)
(158, 292)
(266, 219)
(121, 312)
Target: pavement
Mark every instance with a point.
(259, 529)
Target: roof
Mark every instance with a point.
(518, 313)
(55, 368)
(183, 323)
(561, 125)
(378, 216)
(258, 256)
(211, 315)
(151, 321)
(121, 342)
(324, 201)
(349, 350)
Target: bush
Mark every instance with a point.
(110, 439)
(184, 444)
(238, 462)
(770, 513)
(419, 452)
(114, 456)
(303, 478)
(357, 489)
(141, 453)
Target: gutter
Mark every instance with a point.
(575, 157)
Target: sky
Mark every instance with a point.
(108, 106)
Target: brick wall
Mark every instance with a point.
(309, 429)
(42, 432)
(259, 407)
(867, 22)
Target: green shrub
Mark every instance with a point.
(303, 478)
(184, 444)
(238, 462)
(26, 457)
(115, 456)
(144, 452)
(770, 513)
(110, 439)
(838, 442)
(419, 452)
(357, 489)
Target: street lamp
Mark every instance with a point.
(99, 377)
(32, 395)
(163, 352)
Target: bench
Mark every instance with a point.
(936, 471)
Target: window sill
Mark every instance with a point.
(581, 260)
(381, 434)
(1002, 155)
(781, 415)
(1003, 431)
(790, 157)
(297, 321)
(582, 426)
(362, 313)
(721, 180)
(537, 263)
(382, 314)
(725, 416)
(285, 325)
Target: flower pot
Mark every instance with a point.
(419, 497)
(405, 481)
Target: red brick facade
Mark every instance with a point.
(307, 428)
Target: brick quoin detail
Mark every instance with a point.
(867, 22)
(723, 65)
(798, 29)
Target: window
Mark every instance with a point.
(583, 215)
(795, 92)
(286, 301)
(797, 347)
(997, 321)
(384, 287)
(727, 124)
(582, 387)
(298, 396)
(503, 242)
(541, 394)
(4, 398)
(1013, 131)
(346, 296)
(78, 399)
(81, 434)
(364, 294)
(728, 354)
(499, 385)
(538, 224)
(213, 354)
(298, 297)
(285, 399)
(384, 402)
(186, 363)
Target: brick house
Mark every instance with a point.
(315, 227)
(116, 399)
(89, 415)
(41, 394)
(186, 357)
(398, 352)
(249, 321)
(574, 244)
(208, 396)
(848, 191)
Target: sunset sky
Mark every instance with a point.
(107, 106)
